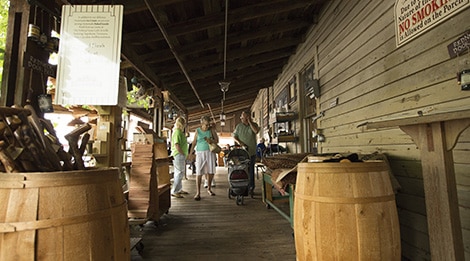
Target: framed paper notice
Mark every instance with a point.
(89, 55)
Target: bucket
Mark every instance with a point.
(345, 211)
(73, 215)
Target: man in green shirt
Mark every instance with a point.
(245, 135)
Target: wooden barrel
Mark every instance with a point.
(73, 215)
(345, 211)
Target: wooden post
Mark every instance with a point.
(26, 66)
(436, 135)
(13, 77)
(113, 115)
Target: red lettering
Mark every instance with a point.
(405, 25)
(427, 10)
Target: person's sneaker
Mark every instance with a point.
(183, 192)
(213, 183)
(205, 184)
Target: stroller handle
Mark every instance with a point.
(245, 147)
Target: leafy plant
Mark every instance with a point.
(135, 98)
(4, 6)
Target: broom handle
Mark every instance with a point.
(212, 114)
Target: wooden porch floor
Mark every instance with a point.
(215, 228)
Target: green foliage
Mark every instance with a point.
(4, 6)
(134, 99)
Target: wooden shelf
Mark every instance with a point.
(279, 117)
(446, 116)
(287, 138)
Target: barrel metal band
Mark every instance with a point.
(342, 200)
(58, 222)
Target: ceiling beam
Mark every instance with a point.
(233, 65)
(249, 12)
(162, 21)
(237, 37)
(200, 80)
(153, 35)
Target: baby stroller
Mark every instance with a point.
(238, 161)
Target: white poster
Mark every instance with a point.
(89, 55)
(414, 17)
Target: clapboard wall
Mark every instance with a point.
(353, 48)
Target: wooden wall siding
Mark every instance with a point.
(462, 176)
(360, 66)
(259, 107)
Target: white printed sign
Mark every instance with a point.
(414, 17)
(89, 55)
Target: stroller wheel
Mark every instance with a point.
(229, 193)
(239, 200)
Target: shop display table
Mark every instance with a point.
(270, 200)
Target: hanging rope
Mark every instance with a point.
(225, 41)
(222, 103)
(224, 84)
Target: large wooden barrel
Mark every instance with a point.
(73, 215)
(345, 211)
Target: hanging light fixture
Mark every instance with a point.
(166, 107)
(224, 88)
(135, 80)
(222, 115)
(175, 113)
(170, 114)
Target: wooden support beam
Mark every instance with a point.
(435, 135)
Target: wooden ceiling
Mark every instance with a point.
(180, 45)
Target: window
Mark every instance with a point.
(309, 87)
(281, 103)
(293, 89)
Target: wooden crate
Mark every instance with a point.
(142, 184)
(149, 185)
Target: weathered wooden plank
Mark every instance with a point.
(415, 253)
(411, 186)
(462, 175)
(393, 151)
(344, 43)
(411, 203)
(413, 220)
(378, 138)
